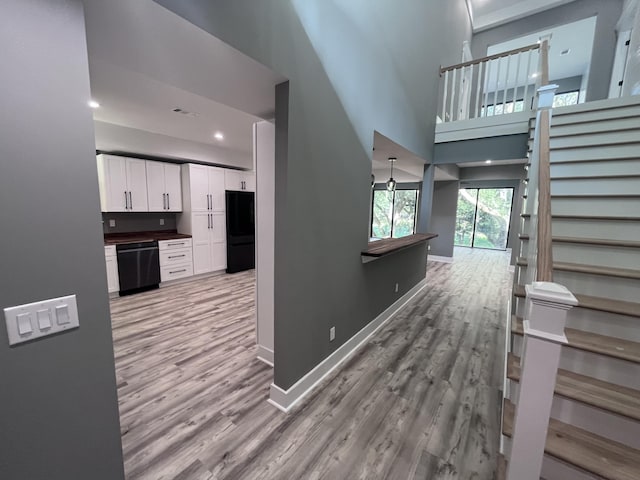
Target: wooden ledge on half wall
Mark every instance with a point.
(387, 246)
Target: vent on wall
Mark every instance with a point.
(182, 111)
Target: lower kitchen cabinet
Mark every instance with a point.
(176, 259)
(113, 283)
(209, 241)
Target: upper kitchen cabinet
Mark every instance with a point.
(203, 188)
(164, 190)
(240, 180)
(123, 184)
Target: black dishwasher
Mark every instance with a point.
(138, 266)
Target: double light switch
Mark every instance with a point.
(34, 320)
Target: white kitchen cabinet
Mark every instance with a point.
(164, 189)
(113, 283)
(240, 180)
(123, 184)
(203, 187)
(203, 216)
(176, 259)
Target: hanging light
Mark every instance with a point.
(391, 183)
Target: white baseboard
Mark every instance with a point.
(438, 258)
(286, 399)
(265, 355)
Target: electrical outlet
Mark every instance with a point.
(332, 334)
(162, 221)
(396, 288)
(112, 223)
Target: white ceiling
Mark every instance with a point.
(487, 14)
(144, 61)
(577, 37)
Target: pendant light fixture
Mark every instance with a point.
(391, 183)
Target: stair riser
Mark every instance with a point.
(604, 368)
(596, 169)
(602, 256)
(595, 420)
(597, 115)
(630, 151)
(595, 206)
(610, 229)
(596, 186)
(611, 125)
(553, 469)
(607, 138)
(599, 286)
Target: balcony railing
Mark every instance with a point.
(494, 85)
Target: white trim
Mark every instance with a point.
(265, 355)
(285, 400)
(552, 337)
(483, 127)
(438, 258)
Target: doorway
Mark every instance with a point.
(483, 217)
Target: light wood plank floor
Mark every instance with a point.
(420, 400)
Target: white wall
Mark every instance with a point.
(264, 158)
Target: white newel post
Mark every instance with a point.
(547, 306)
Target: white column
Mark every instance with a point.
(545, 318)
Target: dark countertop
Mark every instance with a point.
(119, 238)
(380, 248)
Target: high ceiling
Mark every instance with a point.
(145, 61)
(487, 14)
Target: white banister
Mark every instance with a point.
(444, 97)
(547, 305)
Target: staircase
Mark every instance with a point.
(594, 430)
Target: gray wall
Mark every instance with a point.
(58, 404)
(504, 147)
(443, 217)
(608, 12)
(138, 222)
(354, 67)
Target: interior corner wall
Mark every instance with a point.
(604, 44)
(58, 403)
(353, 67)
(443, 217)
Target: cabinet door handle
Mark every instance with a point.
(130, 200)
(164, 201)
(168, 202)
(178, 271)
(208, 221)
(126, 201)
(177, 256)
(172, 244)
(211, 200)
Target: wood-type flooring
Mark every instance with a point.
(420, 400)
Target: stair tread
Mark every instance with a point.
(588, 269)
(588, 451)
(590, 241)
(588, 217)
(591, 391)
(593, 342)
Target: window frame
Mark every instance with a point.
(393, 207)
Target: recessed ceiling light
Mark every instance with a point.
(487, 161)
(218, 136)
(565, 52)
(94, 104)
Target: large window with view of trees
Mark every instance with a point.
(394, 213)
(483, 217)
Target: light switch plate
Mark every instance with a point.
(112, 223)
(46, 318)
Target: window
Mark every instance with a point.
(502, 108)
(566, 99)
(394, 213)
(483, 217)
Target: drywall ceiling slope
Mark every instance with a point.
(407, 168)
(487, 14)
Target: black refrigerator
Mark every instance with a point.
(241, 214)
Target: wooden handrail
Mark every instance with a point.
(544, 63)
(535, 46)
(545, 251)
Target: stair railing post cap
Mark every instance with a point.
(550, 292)
(545, 96)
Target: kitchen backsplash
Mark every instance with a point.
(137, 222)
